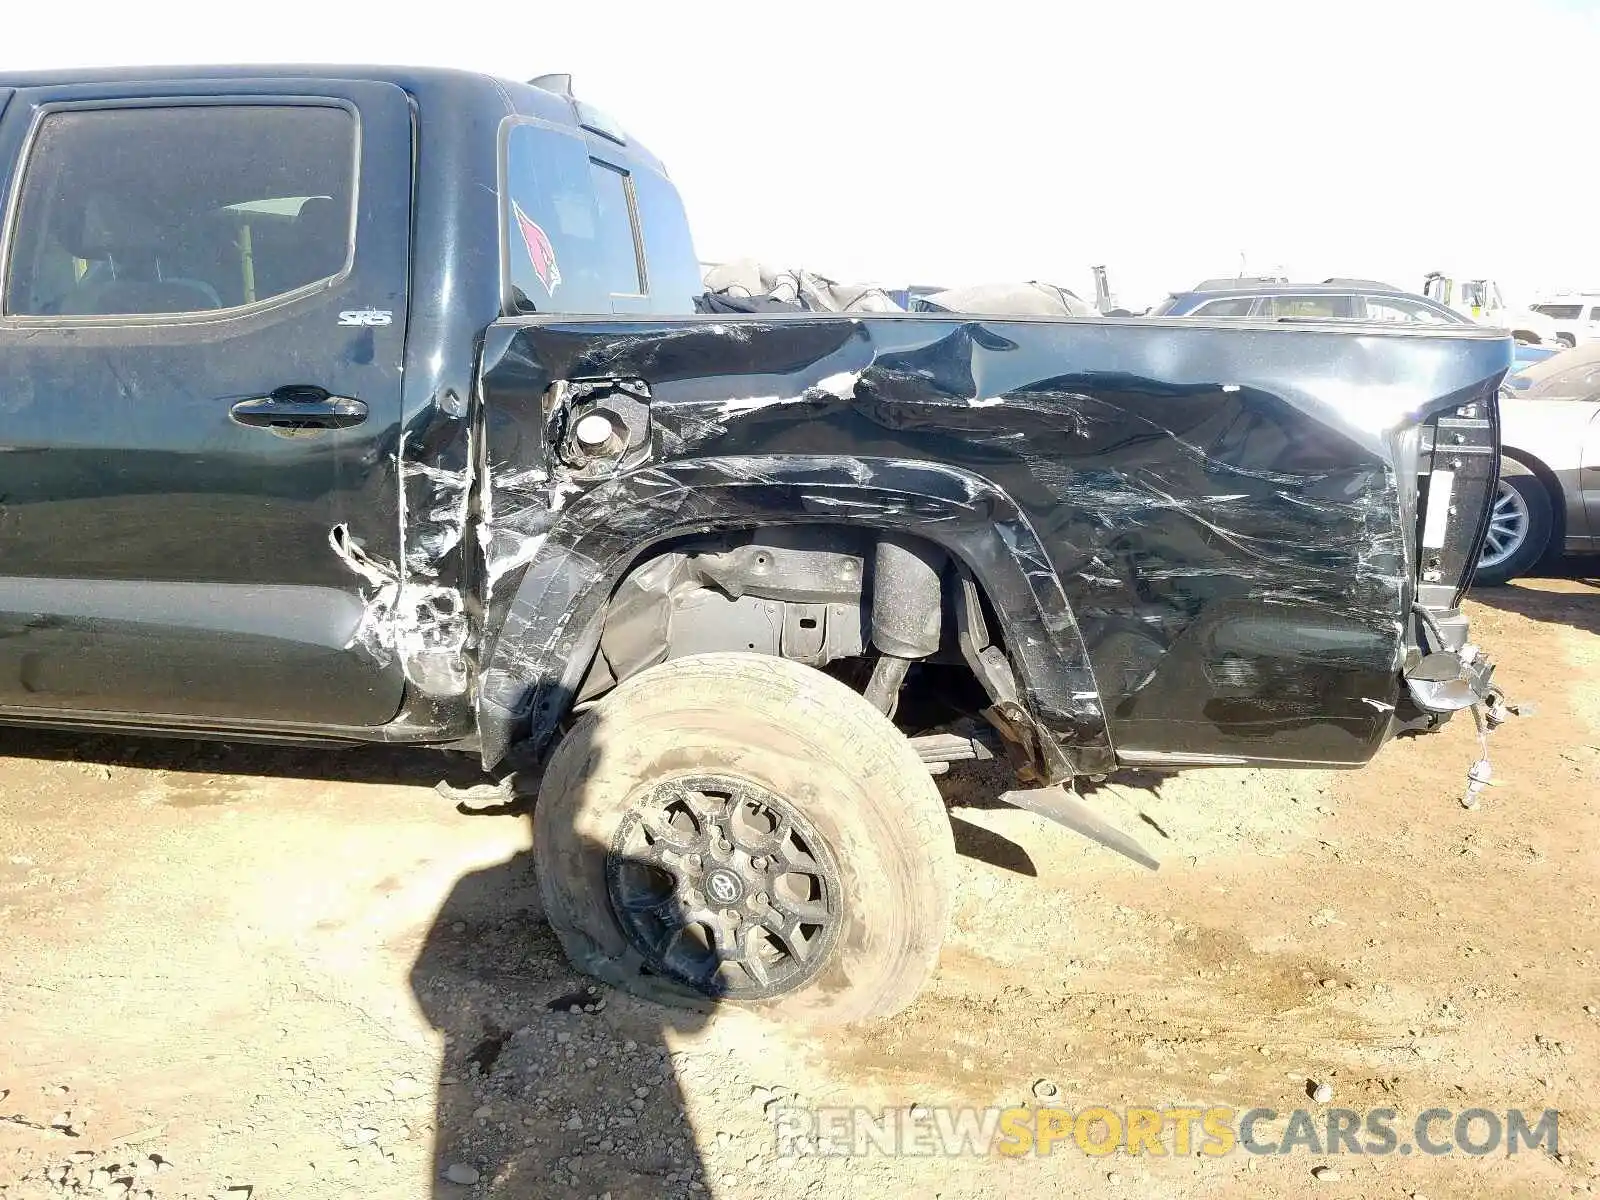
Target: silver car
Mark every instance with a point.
(1549, 497)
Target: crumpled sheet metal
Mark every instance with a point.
(416, 610)
(577, 559)
(1193, 537)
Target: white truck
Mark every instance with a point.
(1576, 314)
(1482, 300)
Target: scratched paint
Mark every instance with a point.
(1195, 540)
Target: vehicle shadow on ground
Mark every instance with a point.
(404, 766)
(981, 785)
(1575, 601)
(550, 1085)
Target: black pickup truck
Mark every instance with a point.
(373, 405)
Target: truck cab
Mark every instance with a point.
(225, 298)
(1482, 300)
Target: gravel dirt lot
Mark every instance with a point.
(248, 973)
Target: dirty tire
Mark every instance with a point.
(806, 738)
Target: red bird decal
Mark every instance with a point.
(540, 250)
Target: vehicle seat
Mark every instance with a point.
(123, 242)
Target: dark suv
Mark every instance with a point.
(1333, 300)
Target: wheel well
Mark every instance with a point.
(896, 617)
(549, 613)
(804, 592)
(1547, 477)
(1526, 336)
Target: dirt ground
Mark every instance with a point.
(242, 972)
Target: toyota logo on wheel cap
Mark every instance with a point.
(723, 886)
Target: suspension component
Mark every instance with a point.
(907, 613)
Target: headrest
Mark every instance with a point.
(113, 225)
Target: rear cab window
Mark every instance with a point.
(170, 208)
(589, 227)
(573, 241)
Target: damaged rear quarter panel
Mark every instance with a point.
(1194, 537)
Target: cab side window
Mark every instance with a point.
(1393, 309)
(1314, 307)
(1560, 312)
(180, 209)
(573, 243)
(1237, 306)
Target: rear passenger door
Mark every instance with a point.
(204, 290)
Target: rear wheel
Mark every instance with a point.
(739, 828)
(1519, 526)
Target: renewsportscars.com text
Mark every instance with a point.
(932, 1131)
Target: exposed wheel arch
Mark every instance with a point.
(1521, 526)
(535, 663)
(864, 606)
(1558, 500)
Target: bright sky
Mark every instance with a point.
(970, 142)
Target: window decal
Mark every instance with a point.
(540, 250)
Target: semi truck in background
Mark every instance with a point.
(1483, 301)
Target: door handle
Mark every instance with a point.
(299, 406)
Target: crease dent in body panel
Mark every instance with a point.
(841, 385)
(409, 612)
(423, 625)
(510, 535)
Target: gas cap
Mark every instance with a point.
(594, 432)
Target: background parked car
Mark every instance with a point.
(1349, 301)
(1577, 317)
(1523, 357)
(1549, 498)
(1549, 436)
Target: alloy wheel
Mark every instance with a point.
(1508, 526)
(724, 886)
